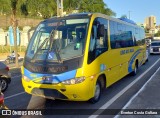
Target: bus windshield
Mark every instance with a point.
(57, 40)
(155, 44)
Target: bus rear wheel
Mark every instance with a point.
(135, 70)
(97, 93)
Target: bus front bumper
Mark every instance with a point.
(75, 92)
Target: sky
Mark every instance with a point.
(138, 9)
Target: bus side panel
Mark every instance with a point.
(107, 63)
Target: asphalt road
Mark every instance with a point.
(114, 97)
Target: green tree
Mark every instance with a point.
(30, 7)
(48, 8)
(95, 6)
(109, 12)
(146, 30)
(70, 5)
(124, 16)
(43, 8)
(24, 9)
(4, 7)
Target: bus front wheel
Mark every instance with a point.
(97, 93)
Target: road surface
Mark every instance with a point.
(114, 97)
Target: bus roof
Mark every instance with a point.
(88, 14)
(128, 21)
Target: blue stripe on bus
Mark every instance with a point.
(132, 60)
(53, 78)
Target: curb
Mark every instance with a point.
(15, 67)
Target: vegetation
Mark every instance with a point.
(157, 34)
(9, 49)
(147, 30)
(124, 16)
(48, 8)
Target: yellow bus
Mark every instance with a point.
(75, 57)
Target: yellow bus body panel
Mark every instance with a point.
(115, 67)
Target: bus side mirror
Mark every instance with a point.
(100, 32)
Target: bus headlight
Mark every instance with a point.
(26, 79)
(74, 80)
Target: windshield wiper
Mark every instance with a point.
(53, 45)
(40, 47)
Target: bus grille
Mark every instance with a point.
(43, 69)
(53, 67)
(155, 49)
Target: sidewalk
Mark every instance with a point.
(146, 103)
(3, 56)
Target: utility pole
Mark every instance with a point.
(59, 7)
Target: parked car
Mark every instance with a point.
(5, 76)
(155, 47)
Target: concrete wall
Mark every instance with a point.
(25, 36)
(3, 40)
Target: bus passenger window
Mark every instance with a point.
(92, 47)
(102, 41)
(98, 39)
(93, 38)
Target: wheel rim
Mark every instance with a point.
(135, 70)
(3, 84)
(97, 91)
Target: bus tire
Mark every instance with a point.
(97, 92)
(147, 60)
(135, 69)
